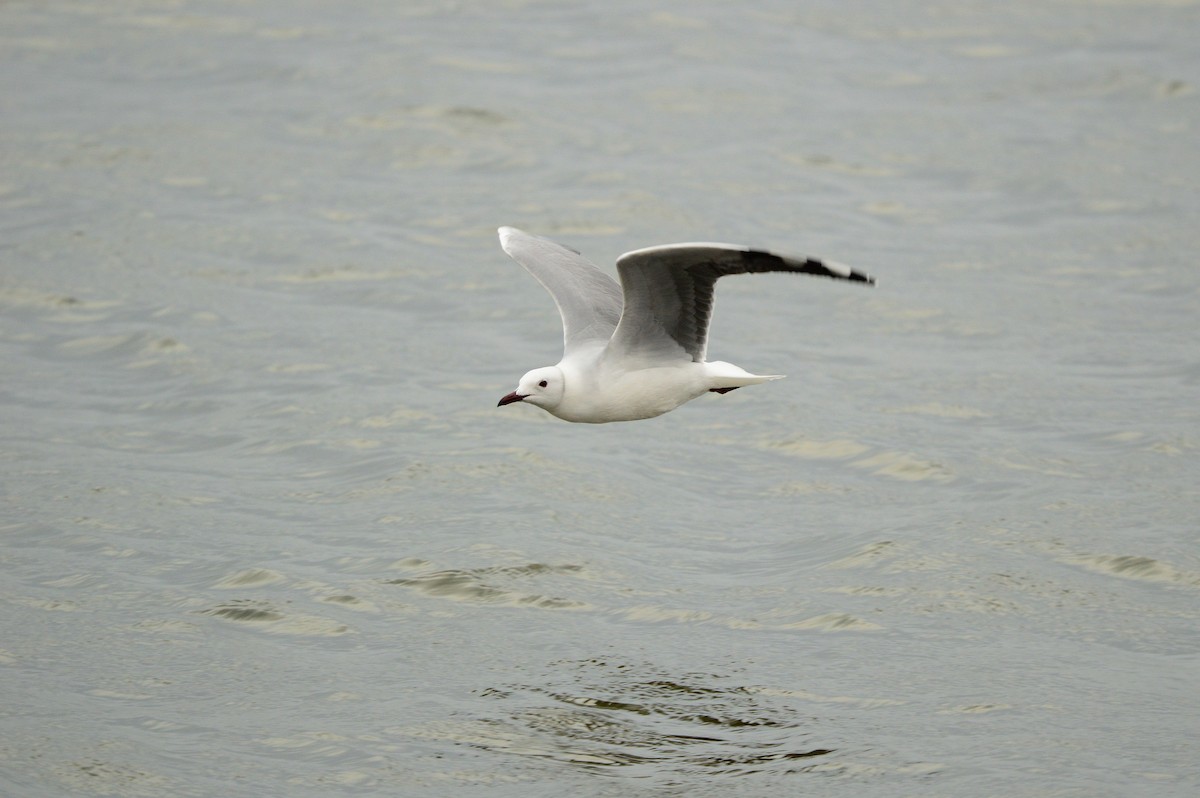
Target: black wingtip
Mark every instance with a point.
(838, 271)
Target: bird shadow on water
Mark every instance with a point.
(636, 720)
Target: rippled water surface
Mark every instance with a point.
(266, 533)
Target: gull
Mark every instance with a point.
(637, 350)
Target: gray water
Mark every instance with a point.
(265, 532)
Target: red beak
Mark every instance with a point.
(510, 398)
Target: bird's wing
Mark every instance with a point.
(588, 300)
(669, 293)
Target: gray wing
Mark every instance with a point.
(588, 300)
(669, 293)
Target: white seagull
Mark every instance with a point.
(636, 350)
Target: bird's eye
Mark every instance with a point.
(542, 384)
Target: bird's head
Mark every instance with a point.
(542, 387)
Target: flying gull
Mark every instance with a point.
(637, 350)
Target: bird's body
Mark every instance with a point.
(603, 391)
(605, 394)
(638, 350)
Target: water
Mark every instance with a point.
(265, 532)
